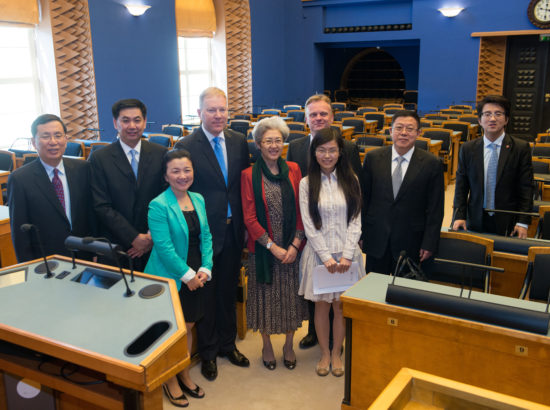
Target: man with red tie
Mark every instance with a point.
(52, 193)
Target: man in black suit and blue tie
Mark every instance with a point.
(52, 193)
(494, 172)
(219, 155)
(126, 176)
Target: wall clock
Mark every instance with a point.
(538, 12)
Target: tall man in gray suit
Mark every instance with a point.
(126, 176)
(219, 155)
(52, 193)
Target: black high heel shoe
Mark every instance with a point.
(270, 365)
(172, 399)
(289, 364)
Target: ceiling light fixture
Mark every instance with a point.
(450, 11)
(137, 9)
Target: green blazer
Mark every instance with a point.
(171, 237)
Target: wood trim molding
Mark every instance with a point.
(509, 33)
(72, 42)
(238, 55)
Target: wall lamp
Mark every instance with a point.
(137, 9)
(450, 11)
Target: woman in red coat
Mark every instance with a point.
(269, 191)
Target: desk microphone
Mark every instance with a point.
(89, 240)
(29, 227)
(402, 256)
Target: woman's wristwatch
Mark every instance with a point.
(269, 244)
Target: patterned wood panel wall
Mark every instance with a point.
(492, 61)
(239, 55)
(74, 62)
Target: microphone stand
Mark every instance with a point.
(88, 240)
(29, 227)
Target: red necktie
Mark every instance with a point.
(58, 186)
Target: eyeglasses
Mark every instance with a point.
(322, 152)
(273, 142)
(496, 114)
(55, 137)
(408, 130)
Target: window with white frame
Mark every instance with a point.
(195, 61)
(19, 84)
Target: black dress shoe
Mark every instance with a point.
(209, 369)
(289, 364)
(236, 357)
(308, 341)
(269, 364)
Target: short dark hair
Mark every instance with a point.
(171, 155)
(406, 113)
(44, 119)
(128, 103)
(494, 99)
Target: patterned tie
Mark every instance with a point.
(397, 176)
(58, 187)
(221, 160)
(491, 178)
(134, 162)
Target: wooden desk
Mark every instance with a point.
(3, 180)
(411, 389)
(455, 141)
(92, 326)
(7, 254)
(434, 146)
(347, 132)
(383, 338)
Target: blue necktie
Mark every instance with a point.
(221, 160)
(491, 178)
(133, 162)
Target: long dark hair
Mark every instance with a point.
(347, 180)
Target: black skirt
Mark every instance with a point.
(192, 302)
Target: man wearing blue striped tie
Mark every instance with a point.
(494, 172)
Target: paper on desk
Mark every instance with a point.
(326, 282)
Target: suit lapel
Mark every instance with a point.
(46, 187)
(121, 162)
(231, 149)
(172, 202)
(507, 146)
(386, 171)
(72, 181)
(144, 161)
(414, 167)
(478, 161)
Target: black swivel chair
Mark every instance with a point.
(536, 284)
(463, 247)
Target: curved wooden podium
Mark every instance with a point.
(78, 334)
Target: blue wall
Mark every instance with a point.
(288, 57)
(135, 57)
